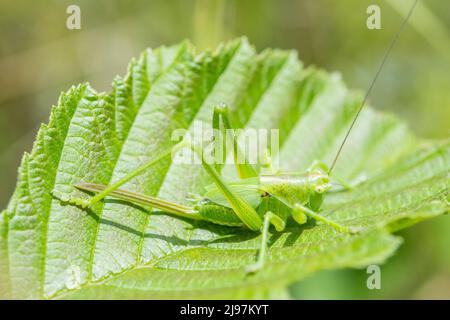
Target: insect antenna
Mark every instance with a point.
(383, 61)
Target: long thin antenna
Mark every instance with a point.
(394, 41)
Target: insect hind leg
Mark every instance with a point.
(84, 203)
(221, 115)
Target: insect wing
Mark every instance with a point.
(248, 189)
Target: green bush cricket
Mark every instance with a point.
(254, 201)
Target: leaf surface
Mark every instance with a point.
(116, 250)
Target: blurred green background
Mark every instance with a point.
(40, 57)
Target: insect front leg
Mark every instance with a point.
(279, 224)
(300, 209)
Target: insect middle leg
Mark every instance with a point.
(279, 224)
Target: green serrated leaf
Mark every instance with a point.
(52, 250)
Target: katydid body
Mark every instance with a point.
(254, 201)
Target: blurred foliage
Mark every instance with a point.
(40, 57)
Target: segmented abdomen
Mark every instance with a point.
(219, 215)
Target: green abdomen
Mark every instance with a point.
(219, 215)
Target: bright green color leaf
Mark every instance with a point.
(52, 250)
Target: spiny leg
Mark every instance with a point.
(240, 206)
(109, 189)
(301, 209)
(279, 224)
(246, 213)
(221, 112)
(142, 199)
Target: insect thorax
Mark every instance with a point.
(307, 189)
